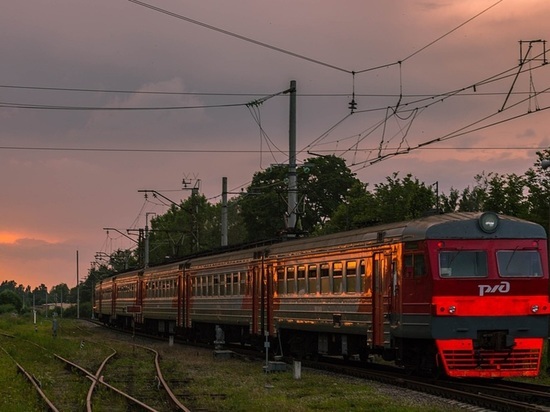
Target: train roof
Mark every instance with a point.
(463, 225)
(468, 225)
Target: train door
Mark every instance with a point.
(114, 293)
(186, 298)
(256, 299)
(261, 302)
(380, 296)
(180, 323)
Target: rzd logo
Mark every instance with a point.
(503, 287)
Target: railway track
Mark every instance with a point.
(64, 384)
(494, 395)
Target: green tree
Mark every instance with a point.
(60, 293)
(263, 206)
(403, 199)
(449, 203)
(322, 183)
(359, 209)
(40, 294)
(190, 227)
(9, 297)
(538, 197)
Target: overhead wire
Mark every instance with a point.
(462, 131)
(414, 110)
(238, 36)
(12, 105)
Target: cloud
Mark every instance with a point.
(72, 195)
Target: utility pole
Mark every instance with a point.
(146, 252)
(224, 211)
(77, 289)
(292, 186)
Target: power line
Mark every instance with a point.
(227, 94)
(301, 56)
(237, 151)
(238, 36)
(11, 105)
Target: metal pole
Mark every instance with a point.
(292, 189)
(146, 252)
(77, 289)
(224, 211)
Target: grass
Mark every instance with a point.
(199, 380)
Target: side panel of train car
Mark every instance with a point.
(223, 292)
(128, 296)
(337, 300)
(103, 300)
(163, 299)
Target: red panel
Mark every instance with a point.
(461, 360)
(490, 305)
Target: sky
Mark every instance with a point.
(100, 100)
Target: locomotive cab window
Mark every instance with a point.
(463, 264)
(519, 263)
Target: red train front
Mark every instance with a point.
(476, 294)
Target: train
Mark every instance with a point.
(462, 294)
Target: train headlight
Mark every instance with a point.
(488, 222)
(535, 308)
(452, 309)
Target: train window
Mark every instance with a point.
(415, 265)
(419, 265)
(337, 272)
(223, 285)
(204, 285)
(519, 263)
(280, 280)
(236, 283)
(216, 291)
(351, 276)
(290, 279)
(312, 278)
(362, 286)
(242, 283)
(301, 276)
(463, 264)
(324, 276)
(229, 284)
(366, 276)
